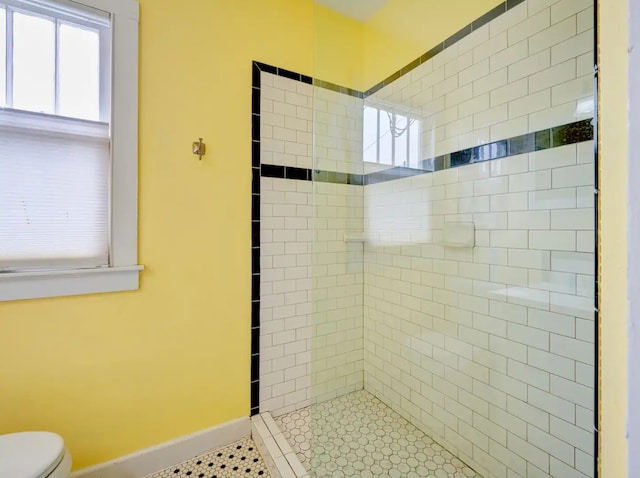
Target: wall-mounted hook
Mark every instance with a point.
(199, 148)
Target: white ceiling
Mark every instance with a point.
(361, 10)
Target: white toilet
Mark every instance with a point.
(34, 455)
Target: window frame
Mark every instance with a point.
(123, 270)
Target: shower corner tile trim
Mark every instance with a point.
(279, 457)
(255, 241)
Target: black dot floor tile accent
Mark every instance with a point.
(239, 460)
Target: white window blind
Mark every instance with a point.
(54, 193)
(55, 157)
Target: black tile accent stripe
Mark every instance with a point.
(255, 180)
(453, 39)
(255, 236)
(316, 175)
(292, 75)
(255, 260)
(562, 135)
(513, 3)
(255, 342)
(266, 68)
(289, 74)
(255, 154)
(255, 127)
(338, 178)
(255, 310)
(572, 133)
(255, 281)
(457, 36)
(432, 53)
(255, 76)
(255, 205)
(392, 174)
(487, 17)
(337, 88)
(410, 66)
(297, 173)
(255, 362)
(527, 143)
(272, 171)
(255, 397)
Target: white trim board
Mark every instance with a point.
(281, 460)
(157, 458)
(60, 283)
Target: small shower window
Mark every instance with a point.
(390, 137)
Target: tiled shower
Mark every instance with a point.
(426, 253)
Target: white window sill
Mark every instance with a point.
(40, 284)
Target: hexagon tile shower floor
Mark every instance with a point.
(358, 435)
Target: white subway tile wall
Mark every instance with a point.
(529, 69)
(290, 110)
(311, 279)
(488, 346)
(488, 349)
(491, 349)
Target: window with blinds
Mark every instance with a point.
(55, 147)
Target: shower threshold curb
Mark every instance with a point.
(279, 457)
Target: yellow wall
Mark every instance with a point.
(338, 48)
(115, 373)
(402, 30)
(613, 240)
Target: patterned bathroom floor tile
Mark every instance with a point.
(239, 460)
(358, 435)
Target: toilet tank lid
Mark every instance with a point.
(30, 454)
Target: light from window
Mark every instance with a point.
(54, 64)
(390, 138)
(385, 139)
(34, 64)
(55, 166)
(79, 72)
(370, 135)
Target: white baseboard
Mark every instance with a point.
(165, 455)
